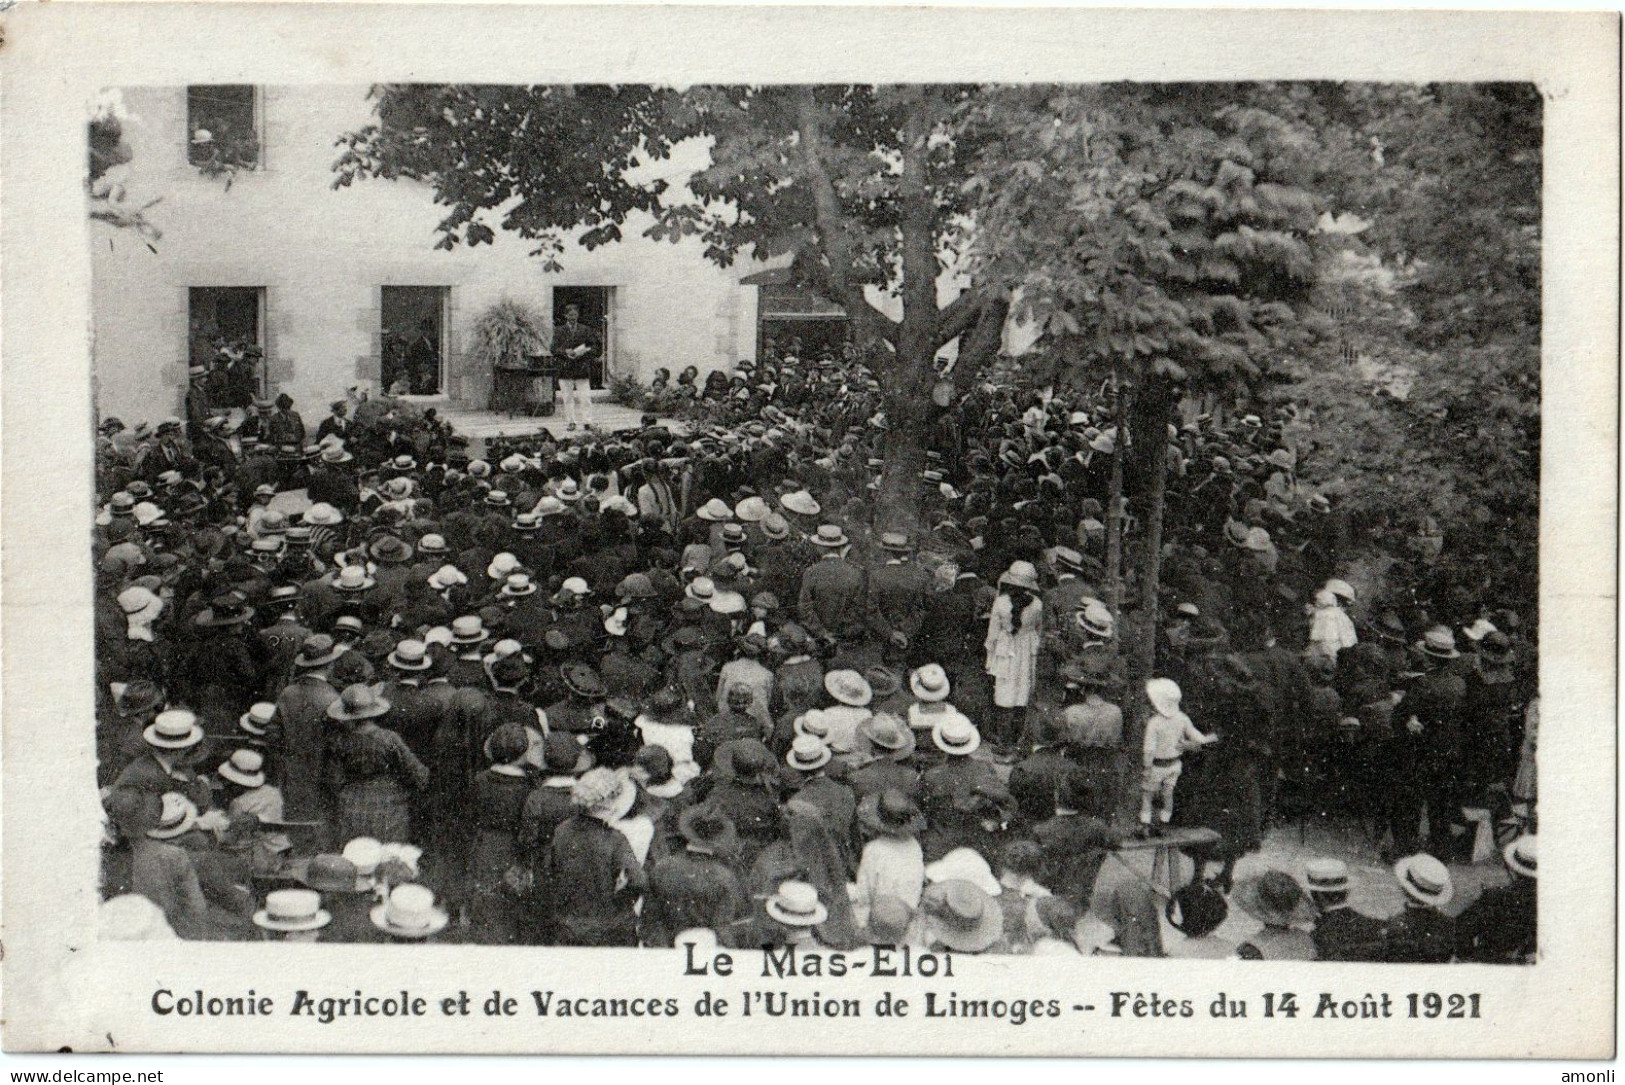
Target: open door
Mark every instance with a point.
(412, 339)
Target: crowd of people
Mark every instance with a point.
(620, 689)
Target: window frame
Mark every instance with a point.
(257, 103)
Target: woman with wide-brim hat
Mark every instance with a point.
(960, 916)
(892, 863)
(378, 772)
(1276, 900)
(748, 789)
(498, 802)
(594, 878)
(694, 887)
(1014, 635)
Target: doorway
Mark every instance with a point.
(412, 339)
(229, 321)
(593, 305)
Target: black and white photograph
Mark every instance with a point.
(825, 524)
(998, 519)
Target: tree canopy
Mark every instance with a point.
(1338, 244)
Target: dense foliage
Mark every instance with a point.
(1369, 252)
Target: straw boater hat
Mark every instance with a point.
(258, 719)
(961, 916)
(955, 734)
(350, 625)
(888, 736)
(174, 729)
(410, 912)
(292, 910)
(365, 854)
(808, 753)
(410, 655)
(433, 544)
(1327, 875)
(728, 603)
(357, 702)
(1425, 880)
(829, 536)
(574, 587)
(1274, 898)
(1096, 620)
(891, 813)
(568, 491)
(775, 527)
(518, 585)
(796, 904)
(244, 767)
(929, 683)
(353, 578)
(176, 815)
(1520, 856)
(469, 629)
(1438, 643)
(849, 688)
(897, 542)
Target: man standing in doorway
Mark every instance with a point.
(423, 360)
(578, 350)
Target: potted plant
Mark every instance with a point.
(505, 335)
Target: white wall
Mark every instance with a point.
(322, 254)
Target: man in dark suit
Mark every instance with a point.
(1040, 777)
(1499, 927)
(1074, 842)
(833, 602)
(1341, 933)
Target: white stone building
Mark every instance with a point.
(321, 276)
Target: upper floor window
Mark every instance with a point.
(223, 129)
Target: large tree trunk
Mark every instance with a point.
(908, 413)
(1148, 430)
(907, 380)
(1114, 509)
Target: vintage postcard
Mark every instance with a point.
(809, 530)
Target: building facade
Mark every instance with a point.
(337, 286)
